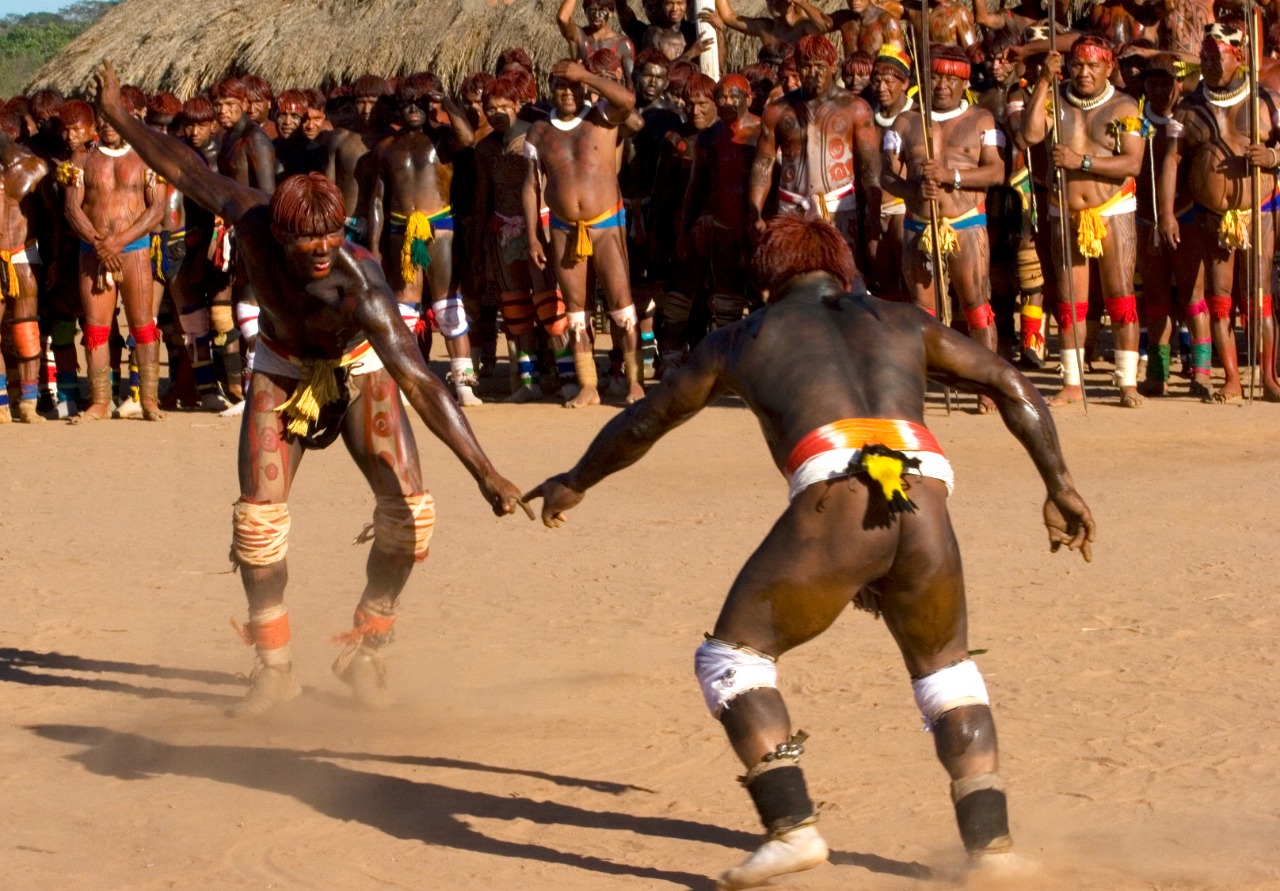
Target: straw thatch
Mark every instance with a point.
(185, 47)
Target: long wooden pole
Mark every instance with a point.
(941, 287)
(1059, 178)
(1257, 274)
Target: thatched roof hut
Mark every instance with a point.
(185, 47)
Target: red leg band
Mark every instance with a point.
(1123, 310)
(1063, 312)
(148, 333)
(96, 336)
(980, 316)
(1158, 307)
(517, 312)
(550, 309)
(1219, 307)
(1199, 308)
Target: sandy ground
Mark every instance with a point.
(549, 733)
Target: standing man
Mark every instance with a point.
(1101, 147)
(844, 422)
(21, 173)
(968, 157)
(331, 360)
(824, 139)
(348, 159)
(890, 77)
(576, 150)
(867, 27)
(114, 209)
(411, 218)
(1210, 128)
(714, 216)
(597, 35)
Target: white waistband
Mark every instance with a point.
(1129, 204)
(26, 257)
(834, 465)
(838, 201)
(268, 361)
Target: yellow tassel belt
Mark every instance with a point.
(418, 229)
(610, 219)
(1091, 228)
(317, 385)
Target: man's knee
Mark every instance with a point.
(517, 313)
(946, 690)
(625, 318)
(259, 533)
(551, 315)
(726, 671)
(402, 525)
(451, 317)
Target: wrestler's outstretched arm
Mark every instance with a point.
(631, 433)
(173, 159)
(957, 361)
(377, 312)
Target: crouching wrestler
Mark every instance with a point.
(331, 360)
(867, 522)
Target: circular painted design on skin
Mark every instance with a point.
(269, 440)
(262, 402)
(839, 173)
(835, 148)
(841, 123)
(382, 390)
(271, 471)
(382, 424)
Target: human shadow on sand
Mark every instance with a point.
(30, 667)
(408, 809)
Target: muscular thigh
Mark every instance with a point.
(572, 277)
(267, 462)
(832, 540)
(969, 267)
(439, 275)
(921, 597)
(1119, 255)
(376, 432)
(609, 260)
(137, 289)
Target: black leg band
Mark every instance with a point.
(781, 798)
(983, 817)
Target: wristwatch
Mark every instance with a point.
(1086, 163)
(955, 183)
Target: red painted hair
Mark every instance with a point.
(949, 59)
(45, 103)
(134, 99)
(197, 110)
(605, 63)
(792, 246)
(292, 102)
(12, 123)
(259, 88)
(738, 82)
(164, 103)
(651, 56)
(507, 88)
(307, 204)
(514, 55)
(816, 47)
(76, 111)
(476, 82)
(700, 86)
(415, 86)
(230, 88)
(370, 85)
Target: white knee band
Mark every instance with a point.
(725, 671)
(402, 525)
(950, 688)
(247, 317)
(411, 315)
(577, 321)
(1071, 364)
(259, 533)
(625, 318)
(450, 316)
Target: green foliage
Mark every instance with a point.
(28, 41)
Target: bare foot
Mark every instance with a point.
(1154, 387)
(1002, 867)
(986, 406)
(27, 413)
(795, 851)
(269, 686)
(1130, 397)
(1226, 394)
(635, 394)
(1067, 396)
(98, 411)
(586, 396)
(153, 413)
(525, 394)
(1199, 388)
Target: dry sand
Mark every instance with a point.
(549, 733)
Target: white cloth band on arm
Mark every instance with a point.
(247, 318)
(994, 137)
(1173, 129)
(529, 150)
(954, 686)
(892, 141)
(1014, 107)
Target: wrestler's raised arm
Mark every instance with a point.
(631, 433)
(956, 360)
(377, 312)
(172, 159)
